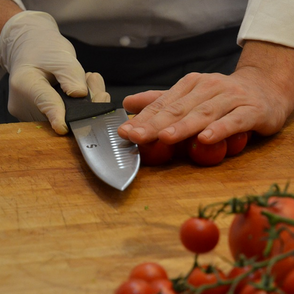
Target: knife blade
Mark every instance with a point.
(114, 160)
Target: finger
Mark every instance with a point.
(49, 103)
(96, 87)
(135, 103)
(145, 126)
(239, 120)
(70, 74)
(172, 107)
(199, 117)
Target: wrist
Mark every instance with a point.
(270, 65)
(8, 10)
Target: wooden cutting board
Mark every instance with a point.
(64, 231)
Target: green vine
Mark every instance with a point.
(241, 206)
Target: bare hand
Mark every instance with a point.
(213, 105)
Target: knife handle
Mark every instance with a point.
(82, 108)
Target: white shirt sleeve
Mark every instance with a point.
(268, 20)
(20, 4)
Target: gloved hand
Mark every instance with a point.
(37, 56)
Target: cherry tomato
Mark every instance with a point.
(288, 284)
(148, 271)
(247, 231)
(249, 135)
(135, 287)
(237, 271)
(206, 154)
(181, 150)
(203, 276)
(156, 153)
(250, 289)
(281, 268)
(163, 286)
(199, 235)
(236, 143)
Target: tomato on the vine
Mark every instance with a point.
(281, 268)
(236, 143)
(251, 290)
(239, 270)
(148, 271)
(247, 233)
(135, 287)
(156, 153)
(163, 286)
(206, 276)
(288, 284)
(206, 154)
(199, 235)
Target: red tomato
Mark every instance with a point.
(156, 153)
(201, 276)
(237, 271)
(247, 231)
(288, 284)
(249, 289)
(236, 143)
(206, 154)
(199, 235)
(163, 286)
(284, 266)
(135, 287)
(148, 271)
(249, 135)
(181, 149)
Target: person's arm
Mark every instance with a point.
(8, 9)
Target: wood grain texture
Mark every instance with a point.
(64, 231)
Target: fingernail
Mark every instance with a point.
(170, 130)
(207, 133)
(126, 127)
(140, 131)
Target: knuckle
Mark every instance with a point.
(175, 109)
(190, 78)
(155, 106)
(206, 109)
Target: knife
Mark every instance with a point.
(114, 160)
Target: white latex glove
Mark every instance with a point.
(36, 55)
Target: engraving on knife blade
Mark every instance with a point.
(92, 146)
(122, 149)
